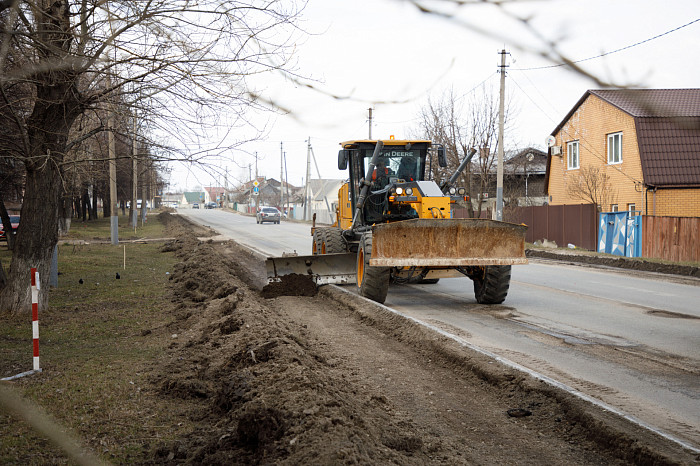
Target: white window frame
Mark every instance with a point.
(614, 157)
(614, 208)
(631, 208)
(569, 152)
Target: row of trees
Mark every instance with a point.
(68, 66)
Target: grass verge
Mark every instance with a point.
(98, 340)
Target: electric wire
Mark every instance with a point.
(583, 142)
(611, 52)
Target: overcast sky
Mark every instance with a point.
(387, 55)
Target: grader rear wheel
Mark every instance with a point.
(373, 282)
(491, 287)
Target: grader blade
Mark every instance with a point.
(322, 269)
(447, 242)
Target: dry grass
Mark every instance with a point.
(98, 340)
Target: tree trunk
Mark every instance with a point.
(7, 226)
(35, 240)
(66, 215)
(47, 132)
(86, 204)
(94, 201)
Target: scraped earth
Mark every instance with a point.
(330, 378)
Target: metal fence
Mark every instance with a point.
(563, 224)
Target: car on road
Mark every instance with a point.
(268, 214)
(195, 205)
(211, 205)
(14, 220)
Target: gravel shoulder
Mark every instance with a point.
(332, 378)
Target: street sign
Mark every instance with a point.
(255, 190)
(255, 183)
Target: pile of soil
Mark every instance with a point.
(290, 285)
(334, 379)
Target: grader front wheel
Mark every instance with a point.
(491, 286)
(373, 282)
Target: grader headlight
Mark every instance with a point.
(409, 191)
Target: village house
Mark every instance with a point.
(629, 149)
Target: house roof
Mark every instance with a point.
(667, 123)
(193, 197)
(214, 190)
(321, 189)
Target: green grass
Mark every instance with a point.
(98, 341)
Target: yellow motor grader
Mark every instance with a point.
(394, 225)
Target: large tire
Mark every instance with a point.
(333, 241)
(316, 246)
(491, 287)
(373, 282)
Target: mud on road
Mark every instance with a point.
(335, 379)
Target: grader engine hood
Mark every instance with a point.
(447, 242)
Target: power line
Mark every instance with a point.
(609, 53)
(582, 139)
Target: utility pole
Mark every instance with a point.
(114, 206)
(307, 186)
(286, 177)
(112, 150)
(257, 198)
(370, 122)
(281, 175)
(134, 178)
(250, 193)
(499, 173)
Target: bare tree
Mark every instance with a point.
(178, 62)
(592, 184)
(460, 123)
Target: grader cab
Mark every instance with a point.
(394, 225)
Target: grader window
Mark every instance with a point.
(395, 164)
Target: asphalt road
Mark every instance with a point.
(628, 339)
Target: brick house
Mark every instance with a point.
(645, 141)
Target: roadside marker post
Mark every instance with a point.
(35, 317)
(36, 286)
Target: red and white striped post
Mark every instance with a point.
(35, 325)
(35, 316)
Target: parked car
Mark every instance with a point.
(211, 205)
(195, 205)
(14, 219)
(269, 214)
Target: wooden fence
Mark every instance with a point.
(671, 238)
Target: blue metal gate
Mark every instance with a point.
(620, 233)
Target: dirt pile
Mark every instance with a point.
(325, 380)
(290, 285)
(258, 387)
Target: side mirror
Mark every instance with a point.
(442, 158)
(343, 156)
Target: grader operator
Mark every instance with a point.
(394, 225)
